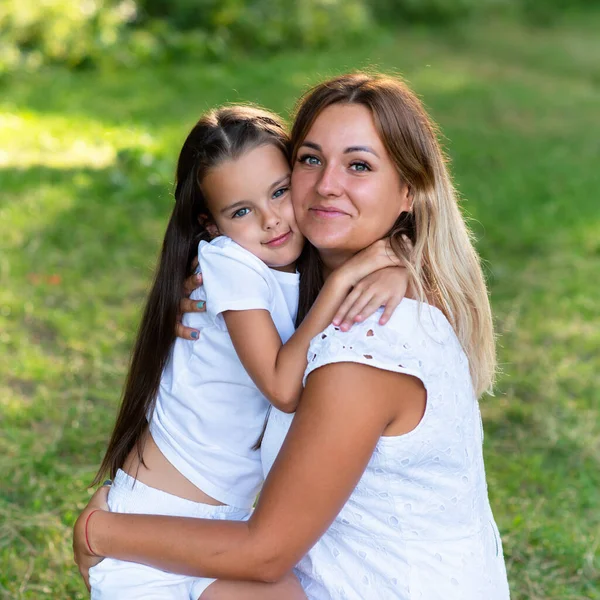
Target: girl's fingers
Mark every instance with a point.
(191, 283)
(357, 308)
(390, 306)
(371, 307)
(351, 298)
(187, 333)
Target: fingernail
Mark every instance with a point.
(107, 482)
(336, 321)
(358, 318)
(200, 305)
(194, 335)
(199, 277)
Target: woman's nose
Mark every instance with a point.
(329, 183)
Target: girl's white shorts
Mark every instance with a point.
(113, 579)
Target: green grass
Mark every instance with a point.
(86, 163)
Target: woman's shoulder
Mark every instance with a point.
(412, 341)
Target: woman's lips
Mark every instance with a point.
(326, 212)
(280, 240)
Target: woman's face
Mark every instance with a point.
(346, 190)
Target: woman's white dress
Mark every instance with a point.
(418, 525)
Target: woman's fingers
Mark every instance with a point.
(187, 333)
(187, 305)
(191, 283)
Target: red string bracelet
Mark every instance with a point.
(87, 539)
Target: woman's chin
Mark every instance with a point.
(327, 236)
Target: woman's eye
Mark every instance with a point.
(360, 166)
(308, 159)
(242, 212)
(280, 192)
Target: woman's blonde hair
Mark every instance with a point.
(444, 267)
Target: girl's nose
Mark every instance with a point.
(271, 220)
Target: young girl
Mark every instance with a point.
(185, 440)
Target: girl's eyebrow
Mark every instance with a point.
(348, 150)
(280, 181)
(239, 203)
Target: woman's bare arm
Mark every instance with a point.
(345, 408)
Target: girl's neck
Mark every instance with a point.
(291, 268)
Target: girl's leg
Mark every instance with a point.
(288, 588)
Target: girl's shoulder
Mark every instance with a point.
(223, 246)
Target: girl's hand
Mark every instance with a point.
(83, 557)
(378, 278)
(378, 255)
(386, 287)
(186, 305)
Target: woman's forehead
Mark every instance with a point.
(342, 126)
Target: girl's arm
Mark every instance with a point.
(345, 408)
(277, 369)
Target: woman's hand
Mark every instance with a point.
(83, 555)
(186, 305)
(378, 278)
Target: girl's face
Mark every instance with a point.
(347, 192)
(249, 200)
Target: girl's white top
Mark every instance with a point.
(209, 414)
(418, 525)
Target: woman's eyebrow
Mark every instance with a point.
(348, 150)
(360, 149)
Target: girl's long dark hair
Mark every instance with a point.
(222, 134)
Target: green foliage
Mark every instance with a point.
(81, 33)
(72, 32)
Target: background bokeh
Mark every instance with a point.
(95, 101)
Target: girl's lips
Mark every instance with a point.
(279, 241)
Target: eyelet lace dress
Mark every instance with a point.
(418, 526)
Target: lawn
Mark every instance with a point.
(86, 167)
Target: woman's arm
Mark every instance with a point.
(277, 369)
(345, 408)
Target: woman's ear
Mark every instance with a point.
(406, 197)
(209, 225)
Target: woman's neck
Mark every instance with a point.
(332, 259)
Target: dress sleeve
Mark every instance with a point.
(233, 279)
(368, 343)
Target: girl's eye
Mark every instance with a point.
(360, 167)
(308, 159)
(280, 192)
(242, 212)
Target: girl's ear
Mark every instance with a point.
(209, 225)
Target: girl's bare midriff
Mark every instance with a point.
(157, 472)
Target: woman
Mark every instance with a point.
(378, 490)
